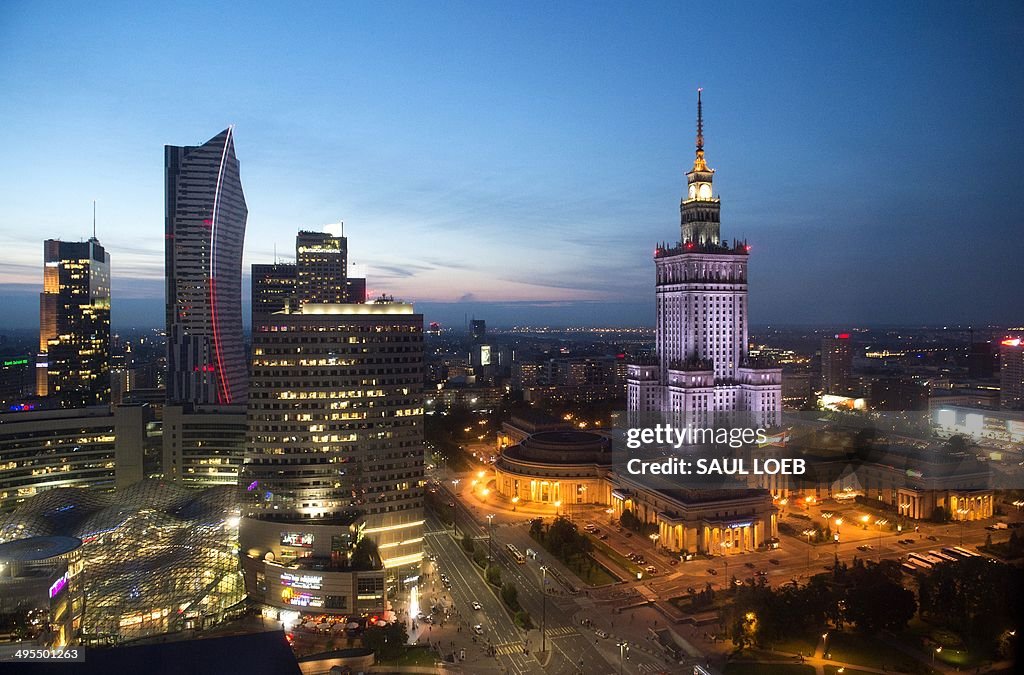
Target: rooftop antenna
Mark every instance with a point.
(94, 219)
(275, 252)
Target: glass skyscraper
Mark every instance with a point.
(204, 231)
(73, 365)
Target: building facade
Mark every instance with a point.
(96, 447)
(335, 422)
(203, 445)
(273, 289)
(204, 231)
(837, 365)
(73, 365)
(702, 365)
(1011, 374)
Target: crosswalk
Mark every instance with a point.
(509, 648)
(561, 631)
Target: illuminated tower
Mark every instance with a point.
(204, 231)
(335, 423)
(73, 365)
(702, 365)
(837, 365)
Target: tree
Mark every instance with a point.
(536, 528)
(467, 543)
(387, 642)
(365, 555)
(493, 575)
(510, 595)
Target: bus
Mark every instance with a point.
(520, 558)
(966, 553)
(909, 569)
(943, 556)
(957, 555)
(921, 560)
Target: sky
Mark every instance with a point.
(518, 162)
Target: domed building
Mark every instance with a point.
(556, 468)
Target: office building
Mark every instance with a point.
(335, 452)
(319, 275)
(702, 365)
(273, 289)
(204, 231)
(837, 365)
(73, 365)
(203, 445)
(96, 447)
(478, 330)
(1011, 374)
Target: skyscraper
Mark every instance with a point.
(73, 365)
(273, 289)
(336, 420)
(204, 231)
(837, 365)
(702, 365)
(1011, 373)
(319, 275)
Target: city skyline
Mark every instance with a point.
(853, 194)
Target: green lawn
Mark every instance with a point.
(747, 668)
(796, 645)
(834, 670)
(413, 656)
(592, 575)
(865, 651)
(622, 561)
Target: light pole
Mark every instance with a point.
(938, 650)
(544, 608)
(654, 540)
(880, 522)
(558, 507)
(963, 517)
(515, 500)
(808, 533)
(490, 531)
(623, 650)
(725, 545)
(455, 509)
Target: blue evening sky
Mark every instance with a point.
(518, 161)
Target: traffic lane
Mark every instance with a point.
(467, 587)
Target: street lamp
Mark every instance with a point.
(558, 506)
(808, 533)
(725, 545)
(963, 518)
(515, 500)
(490, 531)
(654, 539)
(938, 650)
(623, 650)
(455, 498)
(880, 522)
(544, 608)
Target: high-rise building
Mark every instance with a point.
(319, 275)
(203, 445)
(204, 231)
(1011, 374)
(73, 365)
(837, 365)
(273, 289)
(702, 365)
(335, 440)
(478, 330)
(321, 259)
(334, 453)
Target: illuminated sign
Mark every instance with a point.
(301, 581)
(301, 599)
(15, 362)
(303, 539)
(736, 526)
(58, 585)
(485, 355)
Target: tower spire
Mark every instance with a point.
(94, 219)
(698, 163)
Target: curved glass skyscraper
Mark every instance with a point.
(205, 228)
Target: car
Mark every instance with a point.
(651, 569)
(673, 562)
(712, 571)
(629, 534)
(601, 634)
(737, 582)
(478, 629)
(476, 605)
(749, 564)
(603, 536)
(691, 590)
(773, 561)
(865, 547)
(762, 573)
(932, 537)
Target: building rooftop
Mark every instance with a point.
(37, 548)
